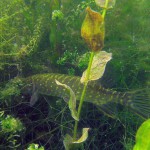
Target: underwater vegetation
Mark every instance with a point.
(45, 39)
(142, 136)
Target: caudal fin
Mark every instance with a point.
(140, 103)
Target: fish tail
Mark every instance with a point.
(139, 102)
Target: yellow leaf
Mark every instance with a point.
(72, 101)
(84, 136)
(67, 142)
(69, 145)
(92, 30)
(101, 3)
(98, 66)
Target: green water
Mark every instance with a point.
(43, 36)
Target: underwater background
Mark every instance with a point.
(43, 36)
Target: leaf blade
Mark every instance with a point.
(99, 63)
(72, 100)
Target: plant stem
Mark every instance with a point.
(87, 77)
(83, 94)
(105, 8)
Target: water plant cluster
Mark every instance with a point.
(44, 36)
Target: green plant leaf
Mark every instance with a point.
(70, 145)
(98, 66)
(67, 142)
(72, 100)
(57, 15)
(1, 113)
(35, 147)
(84, 136)
(143, 137)
(101, 3)
(11, 124)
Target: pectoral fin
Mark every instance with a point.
(34, 96)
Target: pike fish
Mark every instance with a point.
(45, 84)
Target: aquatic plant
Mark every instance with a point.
(10, 124)
(126, 38)
(25, 50)
(57, 15)
(35, 147)
(11, 88)
(22, 31)
(11, 129)
(142, 136)
(93, 32)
